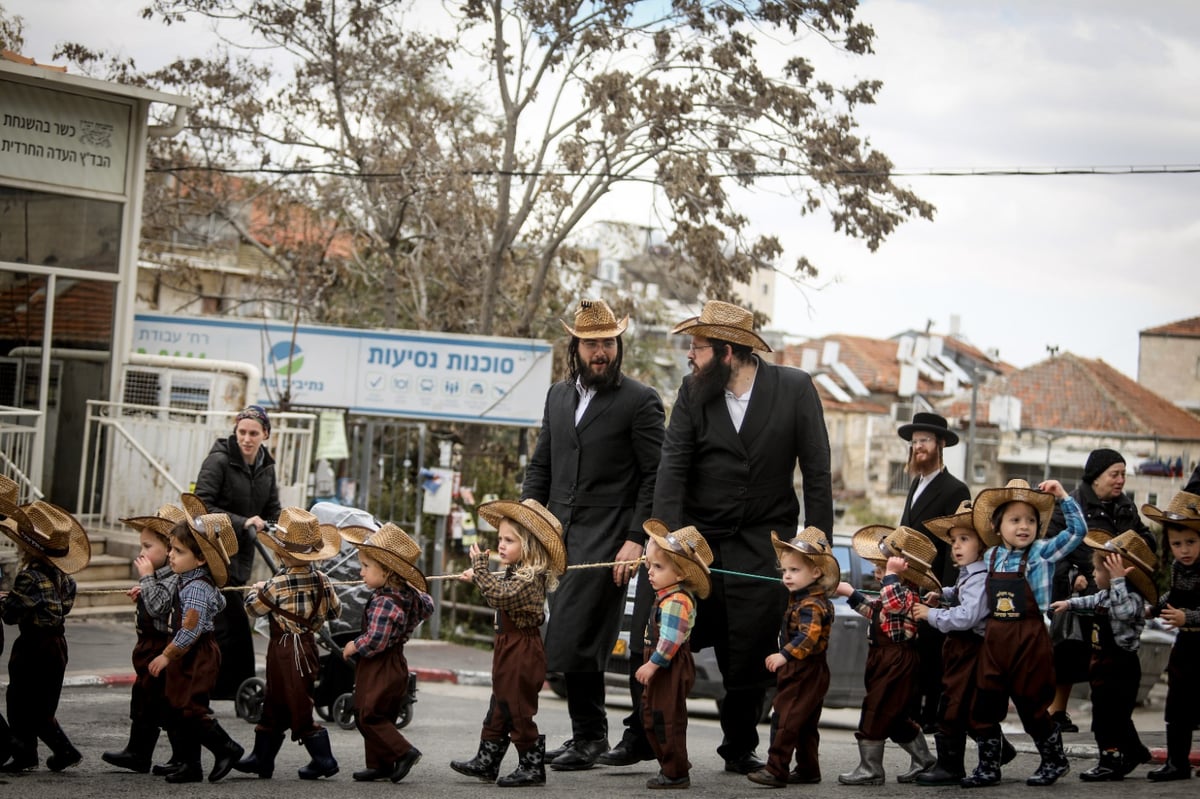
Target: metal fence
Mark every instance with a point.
(18, 432)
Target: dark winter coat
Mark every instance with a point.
(940, 498)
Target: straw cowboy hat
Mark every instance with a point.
(298, 534)
(1015, 491)
(162, 523)
(393, 548)
(1183, 511)
(688, 550)
(594, 319)
(724, 322)
(812, 544)
(878, 542)
(929, 423)
(10, 495)
(941, 526)
(194, 507)
(1134, 550)
(215, 536)
(355, 534)
(534, 517)
(47, 531)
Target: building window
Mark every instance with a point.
(898, 479)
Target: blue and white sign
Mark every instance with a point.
(484, 379)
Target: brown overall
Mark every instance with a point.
(891, 681)
(380, 690)
(291, 674)
(1114, 675)
(518, 672)
(190, 679)
(35, 679)
(147, 702)
(1183, 687)
(960, 656)
(802, 685)
(1017, 659)
(664, 705)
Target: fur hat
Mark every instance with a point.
(393, 548)
(941, 526)
(214, 535)
(162, 523)
(725, 322)
(1134, 550)
(1183, 511)
(812, 544)
(534, 517)
(878, 542)
(688, 550)
(298, 534)
(594, 319)
(47, 531)
(929, 423)
(1017, 490)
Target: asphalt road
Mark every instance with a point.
(445, 726)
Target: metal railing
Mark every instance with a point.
(138, 457)
(18, 436)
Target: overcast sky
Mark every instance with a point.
(1079, 262)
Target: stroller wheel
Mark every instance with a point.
(324, 711)
(343, 711)
(248, 702)
(405, 716)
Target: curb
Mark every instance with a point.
(423, 675)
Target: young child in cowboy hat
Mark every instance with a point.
(152, 595)
(811, 575)
(1123, 567)
(892, 659)
(960, 612)
(297, 601)
(399, 602)
(529, 544)
(1017, 659)
(677, 570)
(53, 546)
(1179, 608)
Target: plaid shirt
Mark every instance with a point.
(1126, 611)
(674, 615)
(523, 600)
(390, 618)
(896, 602)
(806, 623)
(297, 590)
(1183, 578)
(41, 596)
(1043, 554)
(198, 601)
(154, 604)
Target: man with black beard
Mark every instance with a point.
(934, 492)
(739, 428)
(594, 467)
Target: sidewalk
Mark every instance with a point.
(99, 656)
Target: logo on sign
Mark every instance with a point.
(286, 358)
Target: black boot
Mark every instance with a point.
(6, 742)
(226, 751)
(262, 760)
(137, 754)
(531, 767)
(1054, 763)
(186, 741)
(486, 763)
(988, 770)
(405, 764)
(23, 756)
(1110, 768)
(174, 762)
(1179, 745)
(949, 769)
(323, 763)
(1008, 752)
(64, 755)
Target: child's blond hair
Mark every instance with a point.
(535, 560)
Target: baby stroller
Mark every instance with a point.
(333, 692)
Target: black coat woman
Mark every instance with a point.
(238, 478)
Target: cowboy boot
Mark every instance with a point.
(486, 763)
(1179, 744)
(531, 767)
(187, 749)
(949, 769)
(922, 759)
(64, 755)
(870, 766)
(226, 751)
(137, 754)
(261, 761)
(323, 763)
(1109, 769)
(174, 762)
(1054, 763)
(988, 770)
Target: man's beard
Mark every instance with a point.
(927, 464)
(598, 381)
(710, 381)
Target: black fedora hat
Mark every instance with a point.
(930, 423)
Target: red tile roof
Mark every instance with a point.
(1072, 393)
(1184, 328)
(83, 313)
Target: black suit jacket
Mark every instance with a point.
(940, 498)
